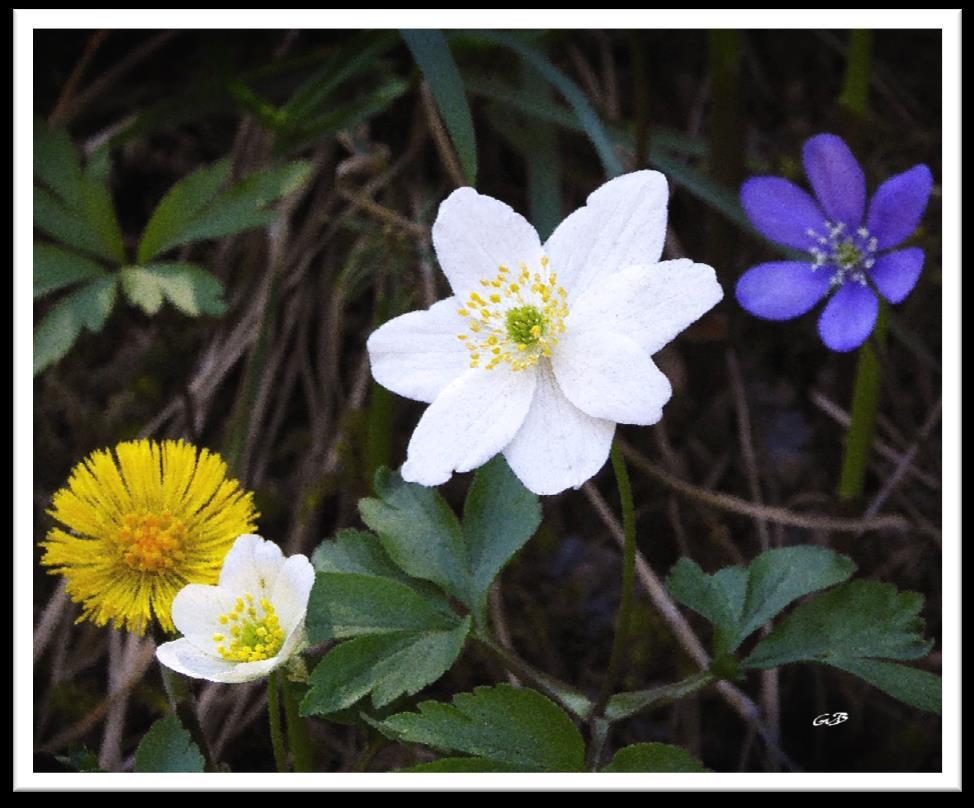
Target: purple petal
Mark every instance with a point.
(836, 178)
(848, 318)
(897, 206)
(895, 274)
(782, 289)
(781, 211)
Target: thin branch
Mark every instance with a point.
(783, 516)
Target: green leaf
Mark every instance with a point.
(462, 764)
(178, 209)
(718, 597)
(499, 516)
(511, 726)
(654, 757)
(80, 758)
(780, 576)
(347, 605)
(190, 288)
(67, 225)
(913, 686)
(167, 747)
(576, 99)
(419, 532)
(55, 268)
(55, 334)
(244, 206)
(432, 53)
(386, 665)
(739, 601)
(85, 307)
(358, 55)
(99, 166)
(94, 301)
(56, 162)
(858, 619)
(91, 226)
(356, 551)
(342, 117)
(99, 212)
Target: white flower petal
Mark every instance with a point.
(473, 235)
(291, 591)
(418, 354)
(623, 223)
(651, 304)
(196, 611)
(558, 445)
(251, 566)
(607, 375)
(185, 658)
(475, 417)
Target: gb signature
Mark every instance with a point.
(830, 719)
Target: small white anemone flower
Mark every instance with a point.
(542, 349)
(247, 625)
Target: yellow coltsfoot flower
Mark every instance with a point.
(542, 349)
(247, 625)
(138, 524)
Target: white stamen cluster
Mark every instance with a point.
(848, 254)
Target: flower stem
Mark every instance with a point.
(865, 402)
(274, 722)
(297, 729)
(624, 615)
(855, 84)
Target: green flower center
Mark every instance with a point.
(525, 325)
(847, 255)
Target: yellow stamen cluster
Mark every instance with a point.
(252, 636)
(150, 542)
(517, 320)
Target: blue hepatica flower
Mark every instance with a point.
(849, 247)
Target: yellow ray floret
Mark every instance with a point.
(137, 525)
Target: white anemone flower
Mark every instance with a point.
(247, 625)
(542, 349)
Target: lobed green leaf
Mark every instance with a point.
(739, 601)
(189, 287)
(419, 532)
(513, 727)
(654, 757)
(386, 665)
(499, 516)
(56, 268)
(349, 604)
(858, 619)
(167, 747)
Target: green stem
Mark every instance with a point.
(624, 615)
(297, 730)
(855, 84)
(865, 402)
(625, 705)
(274, 722)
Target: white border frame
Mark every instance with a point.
(26, 21)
